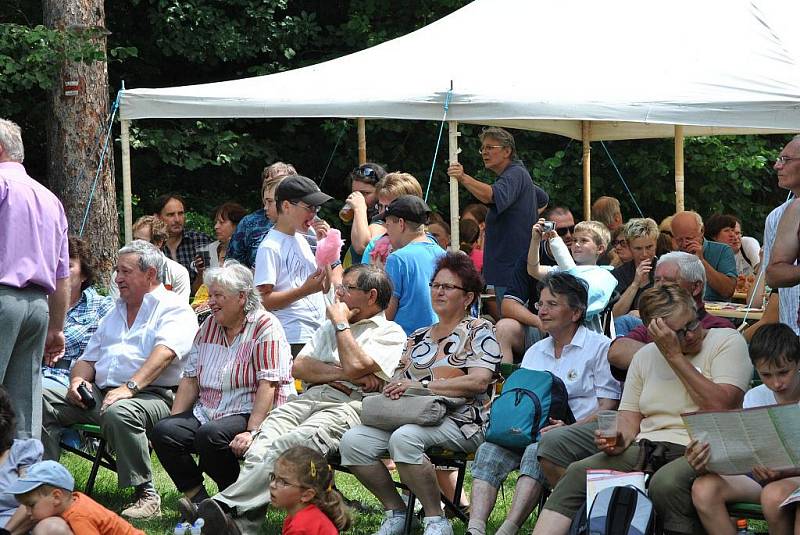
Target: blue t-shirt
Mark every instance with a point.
(512, 213)
(720, 257)
(411, 270)
(248, 235)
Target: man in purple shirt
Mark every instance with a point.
(34, 264)
(685, 270)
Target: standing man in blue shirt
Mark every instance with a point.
(513, 207)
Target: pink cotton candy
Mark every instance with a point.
(329, 248)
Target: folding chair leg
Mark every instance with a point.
(101, 448)
(408, 527)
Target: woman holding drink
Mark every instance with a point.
(577, 356)
(687, 368)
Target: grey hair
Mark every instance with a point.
(149, 256)
(689, 266)
(502, 136)
(11, 141)
(233, 277)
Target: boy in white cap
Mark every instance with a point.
(47, 491)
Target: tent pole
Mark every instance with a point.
(362, 140)
(586, 135)
(679, 176)
(126, 179)
(453, 134)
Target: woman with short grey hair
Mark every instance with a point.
(239, 368)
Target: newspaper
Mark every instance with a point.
(740, 439)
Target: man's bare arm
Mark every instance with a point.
(781, 272)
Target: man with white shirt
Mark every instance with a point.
(131, 368)
(174, 276)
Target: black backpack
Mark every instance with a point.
(616, 511)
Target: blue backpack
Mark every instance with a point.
(622, 510)
(528, 400)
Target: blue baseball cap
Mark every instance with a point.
(43, 473)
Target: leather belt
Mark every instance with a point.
(346, 390)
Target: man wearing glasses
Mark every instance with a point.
(780, 253)
(513, 207)
(286, 271)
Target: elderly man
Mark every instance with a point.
(182, 245)
(173, 276)
(781, 248)
(717, 258)
(353, 352)
(512, 206)
(608, 212)
(130, 368)
(34, 280)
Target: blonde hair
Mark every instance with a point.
(664, 301)
(641, 227)
(313, 472)
(397, 184)
(273, 174)
(158, 229)
(597, 230)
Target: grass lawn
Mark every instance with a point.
(107, 493)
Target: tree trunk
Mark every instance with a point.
(76, 133)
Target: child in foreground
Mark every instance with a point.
(302, 484)
(47, 491)
(775, 353)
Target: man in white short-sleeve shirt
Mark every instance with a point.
(286, 271)
(355, 351)
(130, 368)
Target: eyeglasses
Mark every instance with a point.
(438, 286)
(280, 482)
(312, 209)
(783, 160)
(347, 288)
(688, 328)
(563, 231)
(618, 243)
(381, 207)
(485, 148)
(541, 305)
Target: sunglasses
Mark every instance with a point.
(563, 231)
(368, 173)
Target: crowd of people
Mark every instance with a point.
(245, 360)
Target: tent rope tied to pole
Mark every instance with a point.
(333, 152)
(447, 98)
(113, 114)
(622, 179)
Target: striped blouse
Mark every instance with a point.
(228, 375)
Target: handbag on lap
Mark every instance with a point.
(415, 406)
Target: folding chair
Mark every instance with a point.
(100, 458)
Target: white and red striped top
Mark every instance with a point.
(229, 375)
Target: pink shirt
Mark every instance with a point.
(33, 232)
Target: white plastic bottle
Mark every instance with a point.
(197, 528)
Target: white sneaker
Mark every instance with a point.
(392, 525)
(437, 525)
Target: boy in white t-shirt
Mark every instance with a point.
(775, 353)
(286, 271)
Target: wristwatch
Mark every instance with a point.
(132, 386)
(425, 383)
(341, 326)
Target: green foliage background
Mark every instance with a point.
(177, 42)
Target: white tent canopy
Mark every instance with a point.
(633, 68)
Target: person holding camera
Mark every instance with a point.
(125, 379)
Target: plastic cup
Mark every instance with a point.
(346, 213)
(607, 426)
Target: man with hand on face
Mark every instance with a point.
(130, 367)
(354, 352)
(286, 274)
(717, 258)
